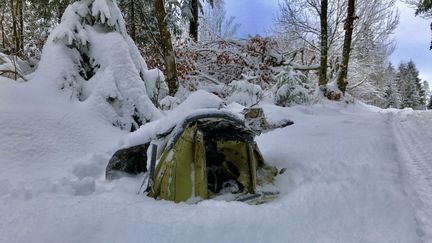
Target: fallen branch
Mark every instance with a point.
(208, 77)
(304, 67)
(13, 73)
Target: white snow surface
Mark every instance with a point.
(350, 177)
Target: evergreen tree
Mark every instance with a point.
(426, 87)
(92, 58)
(410, 87)
(430, 104)
(423, 95)
(392, 96)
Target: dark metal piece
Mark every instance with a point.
(152, 167)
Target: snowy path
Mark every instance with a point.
(414, 137)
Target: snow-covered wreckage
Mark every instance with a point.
(204, 154)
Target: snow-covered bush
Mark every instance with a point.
(291, 88)
(91, 56)
(222, 61)
(216, 65)
(169, 103)
(244, 93)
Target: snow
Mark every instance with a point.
(198, 103)
(414, 137)
(347, 178)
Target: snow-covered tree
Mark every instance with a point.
(299, 21)
(215, 23)
(90, 56)
(428, 94)
(410, 87)
(292, 88)
(426, 88)
(429, 106)
(392, 96)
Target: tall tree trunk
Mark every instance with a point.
(132, 26)
(14, 28)
(167, 47)
(2, 31)
(349, 25)
(324, 44)
(193, 21)
(21, 27)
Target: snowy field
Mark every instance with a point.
(354, 174)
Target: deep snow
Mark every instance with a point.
(350, 178)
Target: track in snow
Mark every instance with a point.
(414, 139)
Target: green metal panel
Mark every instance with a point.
(201, 187)
(183, 159)
(253, 167)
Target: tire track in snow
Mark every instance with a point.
(416, 156)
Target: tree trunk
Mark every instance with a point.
(193, 21)
(324, 44)
(21, 27)
(14, 28)
(349, 25)
(132, 26)
(167, 47)
(2, 31)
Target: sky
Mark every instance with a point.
(412, 36)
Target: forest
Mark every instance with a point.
(313, 50)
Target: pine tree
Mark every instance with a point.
(92, 58)
(392, 96)
(410, 86)
(430, 104)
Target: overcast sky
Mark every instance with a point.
(412, 36)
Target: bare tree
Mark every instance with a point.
(300, 25)
(349, 25)
(215, 24)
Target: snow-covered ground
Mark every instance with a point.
(354, 174)
(413, 132)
